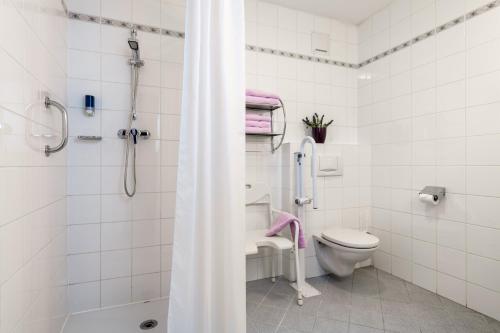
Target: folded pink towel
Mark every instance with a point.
(257, 130)
(264, 101)
(281, 222)
(258, 117)
(261, 124)
(258, 93)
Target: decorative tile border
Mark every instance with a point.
(126, 25)
(299, 56)
(177, 34)
(441, 28)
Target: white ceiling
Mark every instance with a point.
(350, 11)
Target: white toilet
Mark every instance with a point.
(338, 250)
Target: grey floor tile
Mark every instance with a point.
(268, 315)
(453, 307)
(337, 295)
(257, 327)
(257, 290)
(311, 306)
(287, 330)
(392, 288)
(434, 319)
(330, 326)
(367, 318)
(341, 283)
(493, 324)
(365, 283)
(369, 271)
(364, 303)
(322, 283)
(401, 324)
(251, 308)
(263, 284)
(299, 321)
(283, 287)
(370, 301)
(395, 309)
(366, 289)
(353, 328)
(334, 310)
(278, 300)
(422, 296)
(470, 322)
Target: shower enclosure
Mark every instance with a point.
(122, 189)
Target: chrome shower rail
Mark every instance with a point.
(64, 132)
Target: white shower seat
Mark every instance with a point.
(258, 238)
(260, 195)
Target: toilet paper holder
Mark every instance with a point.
(436, 192)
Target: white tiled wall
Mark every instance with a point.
(305, 87)
(33, 279)
(119, 249)
(430, 113)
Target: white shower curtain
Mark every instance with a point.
(208, 271)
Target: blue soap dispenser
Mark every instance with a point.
(89, 105)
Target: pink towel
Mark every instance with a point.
(258, 117)
(264, 101)
(257, 130)
(281, 222)
(258, 93)
(261, 124)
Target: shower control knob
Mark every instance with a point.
(134, 134)
(143, 134)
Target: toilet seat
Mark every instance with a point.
(350, 238)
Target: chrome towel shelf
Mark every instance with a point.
(272, 135)
(89, 138)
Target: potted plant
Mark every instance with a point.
(318, 128)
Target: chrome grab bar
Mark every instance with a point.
(64, 135)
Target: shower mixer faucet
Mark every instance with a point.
(134, 133)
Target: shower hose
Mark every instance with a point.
(131, 138)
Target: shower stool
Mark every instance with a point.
(260, 195)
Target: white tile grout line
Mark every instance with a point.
(177, 34)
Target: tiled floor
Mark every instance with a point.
(369, 302)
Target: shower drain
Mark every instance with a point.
(148, 324)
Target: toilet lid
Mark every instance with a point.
(351, 238)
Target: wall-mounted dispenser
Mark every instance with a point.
(89, 105)
(329, 165)
(432, 194)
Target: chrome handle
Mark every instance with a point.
(64, 135)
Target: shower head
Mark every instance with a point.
(133, 43)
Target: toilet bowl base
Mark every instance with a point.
(337, 259)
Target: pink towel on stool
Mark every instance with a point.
(261, 124)
(281, 222)
(258, 117)
(258, 93)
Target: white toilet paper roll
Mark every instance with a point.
(428, 198)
